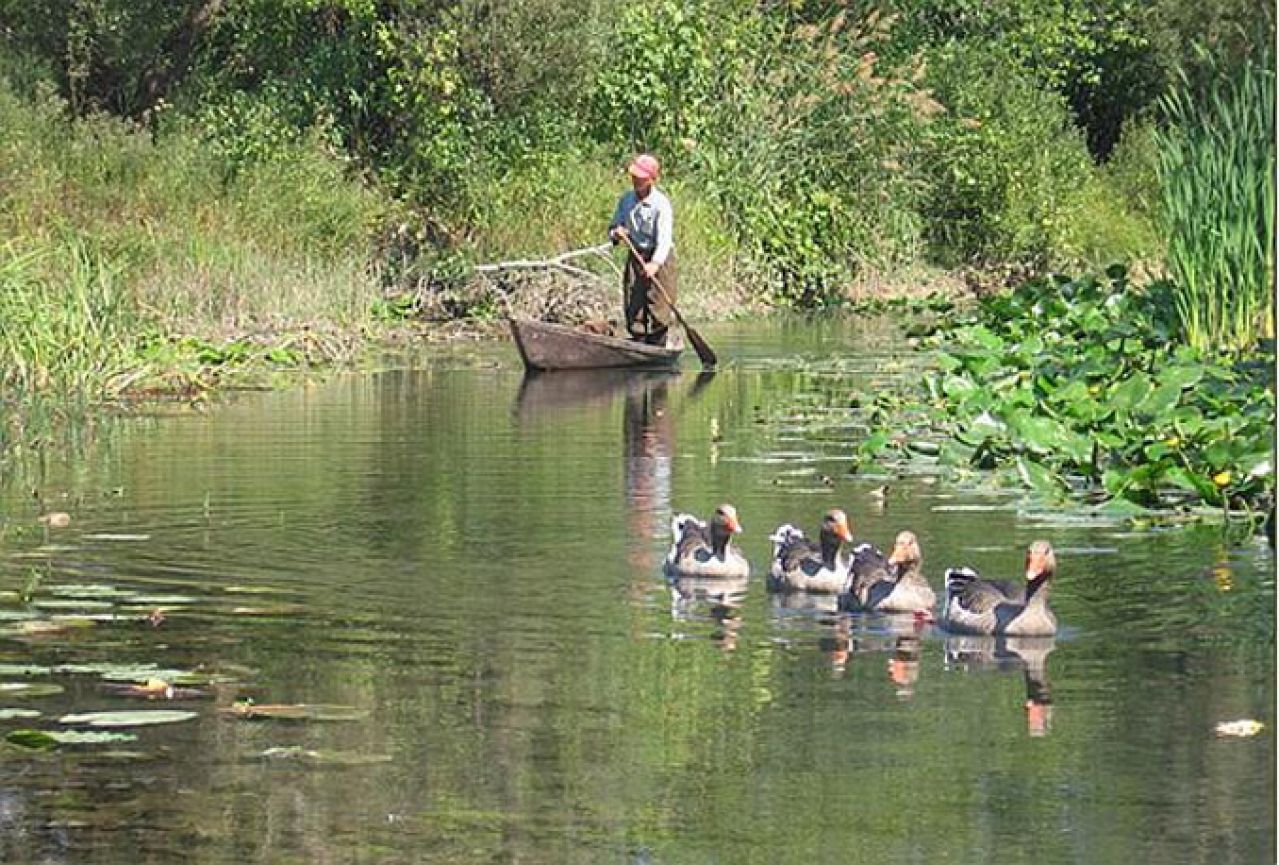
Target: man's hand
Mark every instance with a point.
(618, 234)
(651, 268)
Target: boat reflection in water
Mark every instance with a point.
(1029, 654)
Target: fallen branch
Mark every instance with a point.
(559, 262)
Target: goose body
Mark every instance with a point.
(892, 583)
(701, 549)
(803, 565)
(978, 606)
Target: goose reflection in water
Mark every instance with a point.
(1029, 654)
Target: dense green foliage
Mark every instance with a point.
(836, 138)
(1080, 388)
(211, 168)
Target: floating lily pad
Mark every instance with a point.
(140, 718)
(29, 689)
(48, 627)
(71, 604)
(44, 740)
(10, 714)
(137, 673)
(82, 590)
(24, 670)
(296, 712)
(311, 757)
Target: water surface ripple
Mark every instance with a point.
(455, 572)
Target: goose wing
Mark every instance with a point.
(977, 595)
(691, 536)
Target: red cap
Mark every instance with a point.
(644, 166)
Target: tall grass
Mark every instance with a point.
(113, 236)
(1216, 168)
(66, 340)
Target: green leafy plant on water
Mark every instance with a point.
(1217, 161)
(1080, 389)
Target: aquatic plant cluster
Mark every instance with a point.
(1079, 388)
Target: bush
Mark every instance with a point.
(1005, 163)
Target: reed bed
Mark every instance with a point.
(1217, 159)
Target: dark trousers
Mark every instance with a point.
(648, 316)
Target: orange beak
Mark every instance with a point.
(733, 525)
(842, 531)
(1036, 565)
(898, 555)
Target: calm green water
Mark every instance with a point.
(471, 561)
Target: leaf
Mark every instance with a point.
(140, 718)
(296, 712)
(1131, 392)
(10, 714)
(44, 740)
(1161, 401)
(1039, 478)
(29, 689)
(1180, 375)
(312, 757)
(1046, 436)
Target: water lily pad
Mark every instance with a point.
(139, 718)
(8, 714)
(311, 757)
(162, 600)
(296, 712)
(44, 740)
(88, 591)
(140, 673)
(24, 670)
(71, 604)
(24, 690)
(51, 626)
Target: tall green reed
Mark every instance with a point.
(65, 343)
(1216, 168)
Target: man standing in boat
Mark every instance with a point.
(644, 222)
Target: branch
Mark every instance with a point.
(559, 262)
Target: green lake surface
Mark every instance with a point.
(464, 566)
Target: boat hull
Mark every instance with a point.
(545, 346)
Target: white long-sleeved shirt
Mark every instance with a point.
(651, 223)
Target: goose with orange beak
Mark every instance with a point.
(978, 606)
(803, 565)
(701, 549)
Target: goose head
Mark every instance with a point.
(906, 553)
(835, 532)
(835, 525)
(1041, 561)
(724, 524)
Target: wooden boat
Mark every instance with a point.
(554, 346)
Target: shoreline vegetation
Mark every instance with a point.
(246, 192)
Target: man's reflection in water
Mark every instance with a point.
(648, 437)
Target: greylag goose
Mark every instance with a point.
(802, 565)
(893, 584)
(702, 550)
(978, 606)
